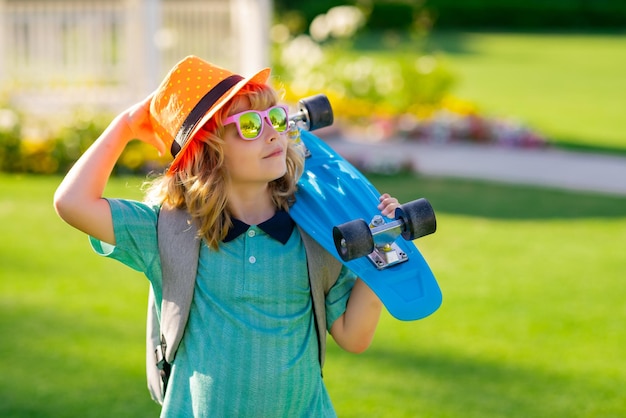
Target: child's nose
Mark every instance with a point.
(270, 131)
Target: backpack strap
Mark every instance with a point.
(153, 342)
(179, 248)
(324, 271)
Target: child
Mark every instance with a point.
(249, 346)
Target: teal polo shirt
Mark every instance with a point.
(250, 346)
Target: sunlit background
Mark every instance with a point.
(533, 312)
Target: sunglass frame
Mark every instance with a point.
(264, 115)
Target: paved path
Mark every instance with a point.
(546, 167)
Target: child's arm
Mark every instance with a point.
(78, 199)
(354, 330)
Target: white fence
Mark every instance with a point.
(110, 53)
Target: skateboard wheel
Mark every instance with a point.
(318, 111)
(353, 239)
(418, 219)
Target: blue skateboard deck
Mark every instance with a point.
(331, 192)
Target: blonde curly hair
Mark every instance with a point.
(199, 180)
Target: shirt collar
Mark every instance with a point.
(280, 226)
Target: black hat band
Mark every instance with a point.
(200, 110)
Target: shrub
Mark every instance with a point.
(359, 86)
(392, 15)
(40, 147)
(10, 140)
(527, 14)
(74, 137)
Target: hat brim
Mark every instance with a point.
(261, 77)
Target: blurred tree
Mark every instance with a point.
(381, 14)
(528, 14)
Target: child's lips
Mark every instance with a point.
(275, 153)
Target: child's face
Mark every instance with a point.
(261, 160)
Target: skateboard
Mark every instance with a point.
(337, 206)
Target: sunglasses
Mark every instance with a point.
(250, 122)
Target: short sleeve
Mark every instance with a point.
(135, 229)
(337, 298)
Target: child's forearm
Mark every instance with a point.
(78, 199)
(89, 175)
(355, 329)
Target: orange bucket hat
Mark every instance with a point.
(189, 96)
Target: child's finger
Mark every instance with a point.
(158, 144)
(388, 205)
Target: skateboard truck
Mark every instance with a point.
(377, 240)
(386, 252)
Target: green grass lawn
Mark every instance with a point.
(570, 87)
(531, 324)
